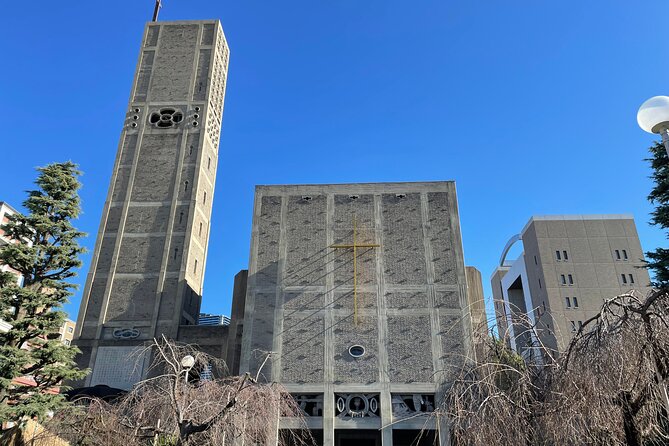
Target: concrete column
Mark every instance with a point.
(328, 364)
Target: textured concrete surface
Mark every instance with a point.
(148, 264)
(413, 312)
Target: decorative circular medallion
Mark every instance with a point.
(166, 117)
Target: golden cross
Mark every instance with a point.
(355, 247)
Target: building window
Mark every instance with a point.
(624, 278)
(204, 198)
(617, 254)
(535, 260)
(631, 278)
(564, 254)
(568, 302)
(571, 280)
(185, 186)
(181, 217)
(195, 267)
(200, 230)
(557, 256)
(563, 279)
(70, 330)
(176, 251)
(66, 341)
(580, 324)
(625, 254)
(539, 283)
(573, 325)
(575, 300)
(208, 163)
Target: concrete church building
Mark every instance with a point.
(359, 291)
(147, 270)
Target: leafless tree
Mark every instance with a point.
(611, 386)
(608, 388)
(175, 407)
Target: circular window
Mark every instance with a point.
(356, 351)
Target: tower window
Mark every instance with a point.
(195, 267)
(573, 325)
(564, 254)
(557, 255)
(580, 324)
(563, 279)
(631, 278)
(624, 254)
(617, 254)
(568, 302)
(624, 278)
(190, 150)
(535, 260)
(539, 283)
(575, 300)
(185, 186)
(204, 198)
(571, 279)
(209, 163)
(200, 231)
(181, 217)
(176, 251)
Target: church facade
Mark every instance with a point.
(356, 302)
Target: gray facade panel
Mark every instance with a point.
(403, 246)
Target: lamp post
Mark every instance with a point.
(187, 362)
(653, 117)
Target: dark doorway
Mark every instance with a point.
(415, 437)
(301, 437)
(355, 437)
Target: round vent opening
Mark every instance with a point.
(356, 351)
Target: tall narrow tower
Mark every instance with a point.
(147, 270)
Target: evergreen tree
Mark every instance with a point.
(46, 253)
(658, 260)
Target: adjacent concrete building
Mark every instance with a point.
(358, 293)
(66, 332)
(569, 265)
(212, 319)
(147, 270)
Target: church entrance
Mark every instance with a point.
(355, 437)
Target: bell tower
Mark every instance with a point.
(147, 270)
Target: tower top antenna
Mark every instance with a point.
(156, 10)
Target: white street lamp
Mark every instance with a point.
(653, 117)
(187, 362)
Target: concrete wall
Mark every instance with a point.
(476, 305)
(412, 307)
(237, 322)
(148, 264)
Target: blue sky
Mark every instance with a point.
(528, 105)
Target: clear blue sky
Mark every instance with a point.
(528, 105)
